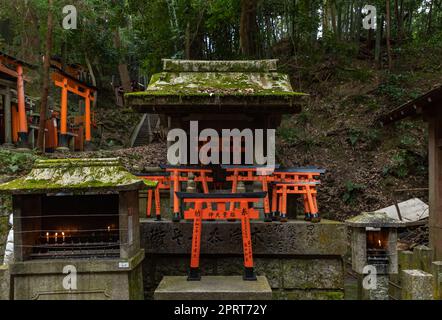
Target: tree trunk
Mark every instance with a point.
(379, 27)
(430, 18)
(388, 29)
(45, 86)
(122, 66)
(94, 79)
(187, 42)
(333, 18)
(248, 28)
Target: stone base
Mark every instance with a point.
(97, 279)
(213, 288)
(301, 260)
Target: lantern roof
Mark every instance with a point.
(76, 175)
(375, 220)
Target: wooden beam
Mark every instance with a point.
(435, 184)
(73, 86)
(8, 71)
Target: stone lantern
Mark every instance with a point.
(373, 242)
(373, 249)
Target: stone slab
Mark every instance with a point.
(213, 288)
(312, 274)
(308, 294)
(97, 279)
(295, 237)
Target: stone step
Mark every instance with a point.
(213, 288)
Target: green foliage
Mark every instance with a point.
(352, 190)
(404, 163)
(11, 163)
(288, 134)
(394, 87)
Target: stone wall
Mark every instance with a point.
(301, 260)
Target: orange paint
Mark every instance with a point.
(23, 123)
(87, 117)
(64, 108)
(243, 213)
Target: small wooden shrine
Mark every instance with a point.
(428, 106)
(218, 94)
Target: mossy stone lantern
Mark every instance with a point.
(373, 242)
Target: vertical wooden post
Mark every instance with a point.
(435, 181)
(87, 116)
(176, 201)
(249, 273)
(64, 115)
(8, 117)
(23, 123)
(149, 203)
(157, 203)
(194, 274)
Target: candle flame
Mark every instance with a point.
(380, 243)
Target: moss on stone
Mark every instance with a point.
(218, 84)
(75, 174)
(176, 65)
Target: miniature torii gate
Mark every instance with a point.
(68, 83)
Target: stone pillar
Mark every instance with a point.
(417, 285)
(359, 256)
(378, 293)
(8, 118)
(5, 291)
(437, 279)
(406, 260)
(423, 256)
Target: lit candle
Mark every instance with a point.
(47, 237)
(63, 236)
(56, 236)
(380, 243)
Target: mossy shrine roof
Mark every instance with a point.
(222, 86)
(76, 175)
(374, 220)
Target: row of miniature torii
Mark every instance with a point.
(280, 181)
(240, 205)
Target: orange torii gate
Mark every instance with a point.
(18, 74)
(68, 83)
(244, 213)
